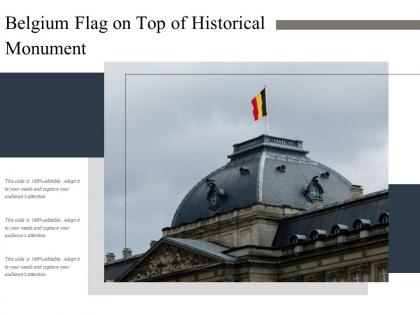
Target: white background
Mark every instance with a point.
(68, 295)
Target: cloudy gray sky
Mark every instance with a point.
(181, 127)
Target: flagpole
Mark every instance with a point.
(266, 106)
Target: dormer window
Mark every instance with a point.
(361, 223)
(316, 234)
(281, 168)
(383, 218)
(358, 225)
(325, 175)
(339, 228)
(297, 238)
(335, 230)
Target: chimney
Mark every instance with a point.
(110, 258)
(126, 253)
(356, 191)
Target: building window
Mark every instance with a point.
(361, 223)
(339, 228)
(297, 238)
(333, 279)
(382, 274)
(356, 277)
(316, 234)
(358, 225)
(336, 230)
(383, 218)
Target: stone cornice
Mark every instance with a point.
(256, 211)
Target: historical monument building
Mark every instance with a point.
(270, 214)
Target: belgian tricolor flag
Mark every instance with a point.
(259, 105)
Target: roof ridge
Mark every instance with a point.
(217, 255)
(260, 176)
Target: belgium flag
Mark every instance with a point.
(259, 105)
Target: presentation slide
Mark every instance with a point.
(184, 157)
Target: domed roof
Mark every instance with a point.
(267, 170)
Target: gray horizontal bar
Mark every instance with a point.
(348, 24)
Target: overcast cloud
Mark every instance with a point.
(180, 128)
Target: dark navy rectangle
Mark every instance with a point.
(52, 115)
(404, 229)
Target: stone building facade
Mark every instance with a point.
(270, 214)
